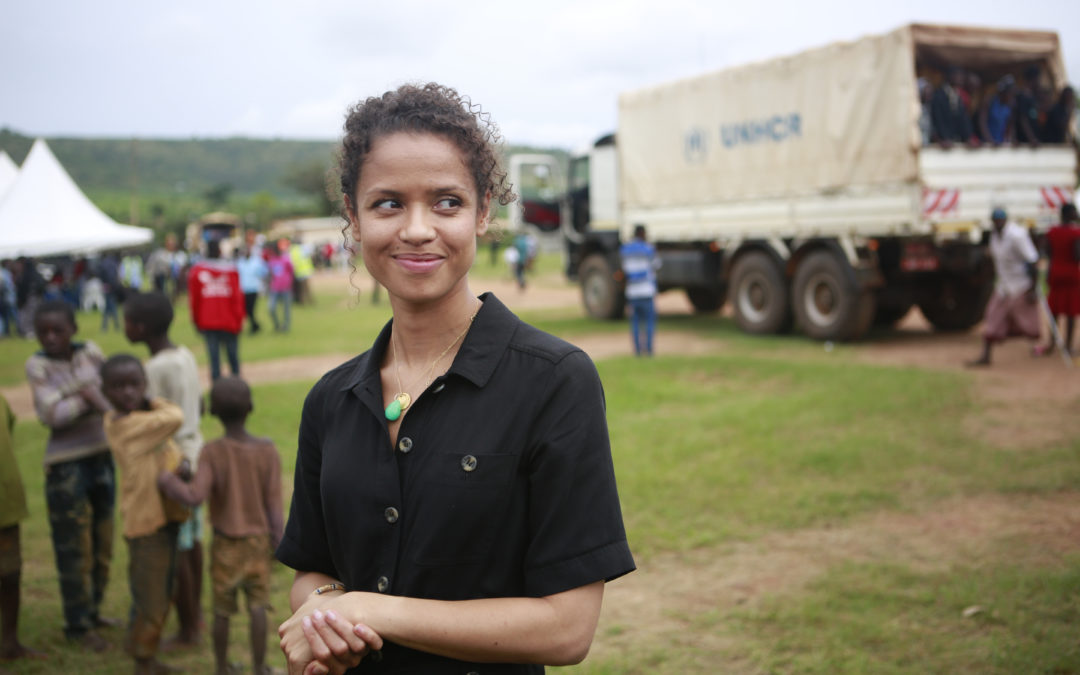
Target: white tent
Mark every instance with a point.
(8, 172)
(43, 213)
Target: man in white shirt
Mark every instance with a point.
(1012, 310)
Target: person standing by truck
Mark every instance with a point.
(1012, 311)
(639, 265)
(1063, 276)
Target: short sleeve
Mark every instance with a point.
(304, 546)
(575, 517)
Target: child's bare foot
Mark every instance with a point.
(180, 642)
(155, 667)
(233, 668)
(93, 642)
(107, 622)
(21, 651)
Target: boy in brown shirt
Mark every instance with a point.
(241, 476)
(139, 432)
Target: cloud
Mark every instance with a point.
(549, 72)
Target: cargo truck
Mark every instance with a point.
(799, 189)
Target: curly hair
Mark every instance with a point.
(434, 109)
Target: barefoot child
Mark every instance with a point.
(140, 432)
(171, 373)
(241, 476)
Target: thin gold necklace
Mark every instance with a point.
(402, 401)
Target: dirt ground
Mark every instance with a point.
(652, 605)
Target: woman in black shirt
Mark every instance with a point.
(454, 507)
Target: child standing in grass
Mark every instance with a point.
(80, 484)
(12, 510)
(140, 432)
(241, 476)
(172, 374)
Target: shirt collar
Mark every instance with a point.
(477, 359)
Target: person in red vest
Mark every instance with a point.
(217, 307)
(1063, 276)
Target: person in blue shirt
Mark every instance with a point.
(639, 265)
(253, 272)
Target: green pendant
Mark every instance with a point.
(393, 411)
(400, 403)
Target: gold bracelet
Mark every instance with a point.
(326, 588)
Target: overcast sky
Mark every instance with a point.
(548, 71)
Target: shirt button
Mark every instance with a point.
(468, 463)
(382, 585)
(405, 445)
(391, 514)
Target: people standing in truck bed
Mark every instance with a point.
(1058, 118)
(948, 112)
(996, 116)
(1026, 113)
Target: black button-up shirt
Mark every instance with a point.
(501, 483)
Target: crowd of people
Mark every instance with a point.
(223, 292)
(962, 110)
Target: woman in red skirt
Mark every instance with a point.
(1063, 277)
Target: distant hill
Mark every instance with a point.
(167, 184)
(178, 166)
(249, 165)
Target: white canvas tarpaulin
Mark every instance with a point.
(8, 172)
(836, 116)
(841, 118)
(43, 212)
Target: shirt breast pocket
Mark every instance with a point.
(461, 507)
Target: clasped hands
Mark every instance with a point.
(318, 640)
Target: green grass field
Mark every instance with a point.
(764, 442)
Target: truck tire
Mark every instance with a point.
(601, 292)
(759, 295)
(705, 300)
(827, 304)
(956, 304)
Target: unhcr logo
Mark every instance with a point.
(695, 146)
(776, 129)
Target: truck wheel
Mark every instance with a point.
(956, 304)
(705, 300)
(601, 293)
(827, 306)
(759, 295)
